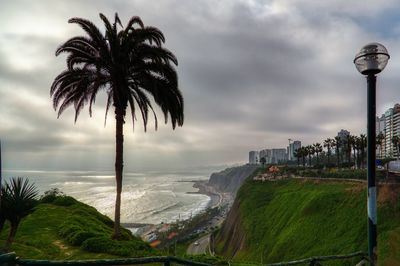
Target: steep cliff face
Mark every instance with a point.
(287, 220)
(231, 238)
(230, 179)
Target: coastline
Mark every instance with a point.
(205, 189)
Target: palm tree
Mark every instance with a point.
(18, 202)
(310, 151)
(348, 142)
(362, 147)
(297, 154)
(130, 65)
(396, 143)
(379, 141)
(355, 146)
(2, 210)
(318, 150)
(328, 144)
(337, 145)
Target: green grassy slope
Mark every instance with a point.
(57, 232)
(293, 219)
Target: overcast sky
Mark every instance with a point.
(253, 74)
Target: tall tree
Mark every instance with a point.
(362, 146)
(379, 141)
(318, 150)
(310, 152)
(131, 66)
(297, 154)
(18, 202)
(348, 145)
(328, 144)
(337, 145)
(396, 144)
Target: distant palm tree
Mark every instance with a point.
(310, 152)
(355, 146)
(328, 144)
(337, 144)
(379, 141)
(297, 154)
(18, 202)
(348, 142)
(318, 150)
(362, 147)
(2, 210)
(396, 143)
(129, 64)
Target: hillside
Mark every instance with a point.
(292, 219)
(68, 229)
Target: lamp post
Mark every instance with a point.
(370, 61)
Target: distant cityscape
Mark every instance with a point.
(387, 125)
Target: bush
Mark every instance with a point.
(64, 201)
(134, 248)
(78, 237)
(50, 195)
(214, 260)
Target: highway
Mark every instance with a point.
(200, 246)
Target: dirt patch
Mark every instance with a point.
(357, 188)
(62, 247)
(388, 193)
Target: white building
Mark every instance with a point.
(267, 154)
(253, 157)
(278, 155)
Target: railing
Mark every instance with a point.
(11, 259)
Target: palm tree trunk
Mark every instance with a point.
(119, 165)
(11, 236)
(2, 222)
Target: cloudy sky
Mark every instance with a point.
(253, 74)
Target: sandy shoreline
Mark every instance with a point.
(205, 189)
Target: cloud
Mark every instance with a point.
(253, 74)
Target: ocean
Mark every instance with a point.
(148, 197)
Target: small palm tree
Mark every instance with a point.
(396, 143)
(318, 150)
(328, 144)
(362, 147)
(337, 145)
(379, 141)
(297, 154)
(18, 202)
(129, 65)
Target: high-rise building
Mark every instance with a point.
(267, 154)
(253, 157)
(292, 148)
(278, 155)
(389, 125)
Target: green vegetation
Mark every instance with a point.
(64, 228)
(18, 200)
(293, 219)
(128, 63)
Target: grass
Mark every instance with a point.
(293, 219)
(68, 229)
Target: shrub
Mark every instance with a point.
(50, 195)
(77, 238)
(214, 260)
(135, 248)
(64, 201)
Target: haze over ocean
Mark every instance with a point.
(147, 197)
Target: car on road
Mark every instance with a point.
(196, 243)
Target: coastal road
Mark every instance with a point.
(200, 246)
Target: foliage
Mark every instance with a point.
(132, 248)
(292, 219)
(50, 195)
(64, 201)
(18, 200)
(130, 65)
(214, 260)
(58, 232)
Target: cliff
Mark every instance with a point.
(230, 179)
(292, 219)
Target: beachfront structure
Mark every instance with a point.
(253, 157)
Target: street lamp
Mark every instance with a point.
(370, 61)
